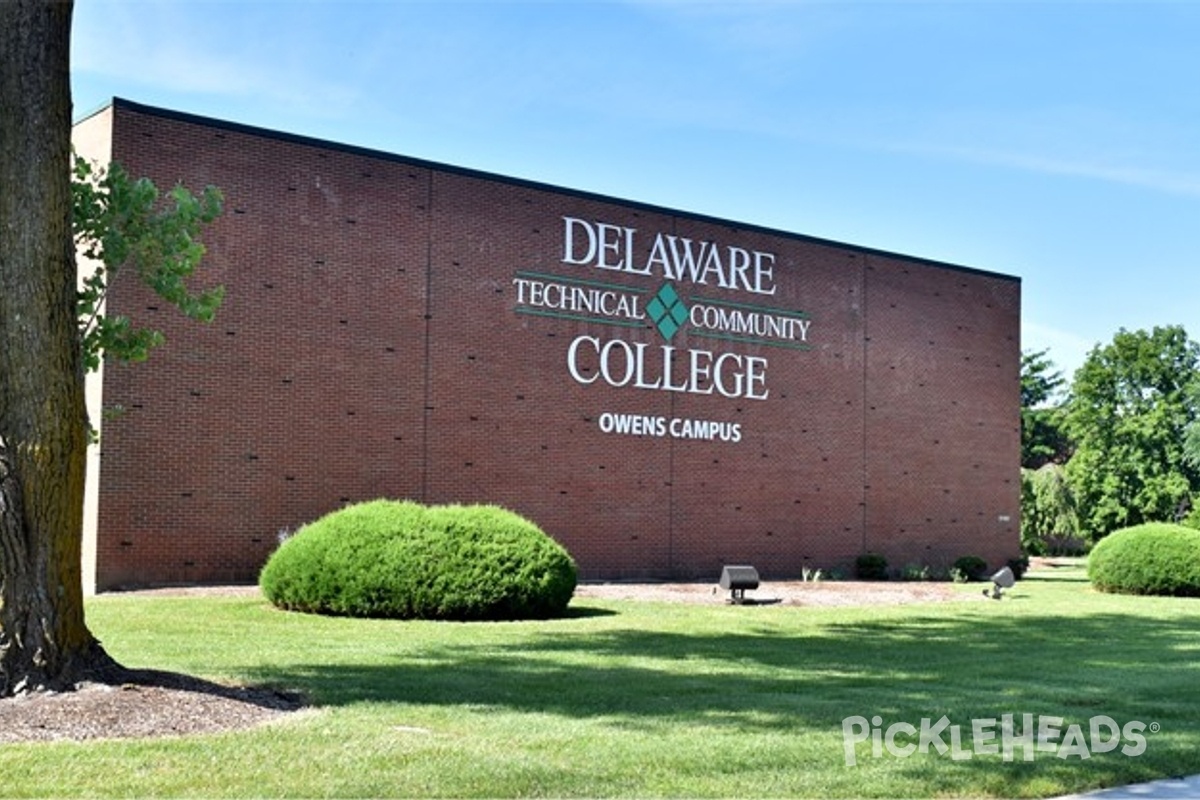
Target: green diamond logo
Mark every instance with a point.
(667, 310)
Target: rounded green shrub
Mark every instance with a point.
(408, 561)
(871, 567)
(967, 569)
(1019, 566)
(1155, 558)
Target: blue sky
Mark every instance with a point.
(1057, 141)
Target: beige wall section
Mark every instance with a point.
(92, 138)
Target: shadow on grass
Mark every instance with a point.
(765, 676)
(263, 696)
(917, 662)
(1064, 576)
(575, 611)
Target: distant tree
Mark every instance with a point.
(1130, 405)
(1191, 441)
(1049, 520)
(1043, 438)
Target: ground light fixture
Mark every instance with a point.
(1003, 579)
(736, 580)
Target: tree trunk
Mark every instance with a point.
(44, 642)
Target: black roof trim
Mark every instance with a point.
(309, 141)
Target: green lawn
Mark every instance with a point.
(644, 699)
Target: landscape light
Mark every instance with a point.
(737, 579)
(1003, 579)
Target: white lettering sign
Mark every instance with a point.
(611, 247)
(681, 295)
(636, 364)
(676, 427)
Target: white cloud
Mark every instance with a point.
(1094, 141)
(1182, 183)
(191, 49)
(1068, 350)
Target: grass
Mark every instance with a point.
(642, 699)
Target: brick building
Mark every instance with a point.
(662, 392)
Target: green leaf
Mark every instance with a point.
(121, 222)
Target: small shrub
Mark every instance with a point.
(404, 560)
(871, 567)
(1155, 558)
(916, 572)
(1019, 566)
(968, 569)
(1069, 546)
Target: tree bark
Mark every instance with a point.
(44, 642)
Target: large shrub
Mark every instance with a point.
(409, 561)
(1155, 558)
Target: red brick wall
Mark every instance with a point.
(371, 344)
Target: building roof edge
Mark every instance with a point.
(120, 103)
